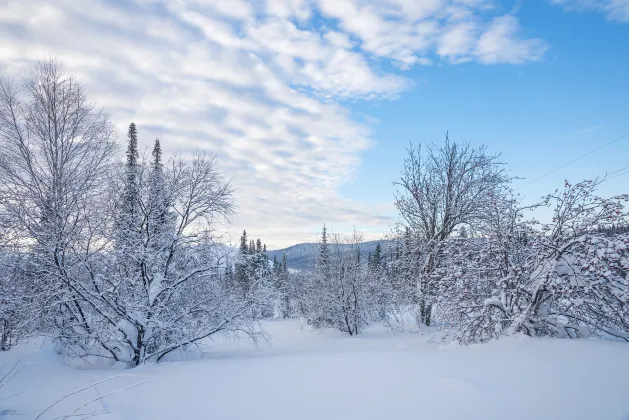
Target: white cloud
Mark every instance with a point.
(408, 32)
(457, 40)
(258, 82)
(499, 43)
(615, 10)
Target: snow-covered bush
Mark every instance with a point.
(341, 292)
(564, 280)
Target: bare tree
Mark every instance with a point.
(56, 148)
(129, 301)
(342, 292)
(441, 189)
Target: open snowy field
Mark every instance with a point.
(304, 374)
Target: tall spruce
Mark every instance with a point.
(243, 243)
(323, 259)
(129, 211)
(286, 295)
(159, 218)
(241, 269)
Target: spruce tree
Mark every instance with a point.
(375, 259)
(284, 263)
(160, 219)
(323, 259)
(286, 286)
(128, 218)
(241, 274)
(243, 243)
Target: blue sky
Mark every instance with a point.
(310, 104)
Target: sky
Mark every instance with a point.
(310, 105)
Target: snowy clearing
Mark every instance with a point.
(304, 374)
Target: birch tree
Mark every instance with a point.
(441, 189)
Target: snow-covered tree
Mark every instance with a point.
(56, 151)
(341, 292)
(441, 189)
(565, 280)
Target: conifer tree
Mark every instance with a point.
(128, 218)
(286, 286)
(243, 243)
(241, 274)
(160, 220)
(375, 259)
(323, 259)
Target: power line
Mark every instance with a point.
(576, 160)
(616, 174)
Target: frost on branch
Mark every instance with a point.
(123, 260)
(569, 280)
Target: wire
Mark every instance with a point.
(576, 160)
(615, 172)
(618, 174)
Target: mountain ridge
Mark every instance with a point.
(303, 256)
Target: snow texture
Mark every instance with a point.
(313, 375)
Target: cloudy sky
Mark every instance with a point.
(309, 104)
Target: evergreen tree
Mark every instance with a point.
(286, 293)
(241, 269)
(243, 243)
(160, 226)
(323, 259)
(258, 246)
(132, 188)
(284, 263)
(375, 259)
(128, 218)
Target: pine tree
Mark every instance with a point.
(258, 246)
(323, 260)
(284, 263)
(243, 243)
(286, 286)
(241, 269)
(160, 220)
(375, 260)
(128, 218)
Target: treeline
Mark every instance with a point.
(467, 257)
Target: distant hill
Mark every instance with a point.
(303, 256)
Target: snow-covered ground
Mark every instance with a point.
(304, 374)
